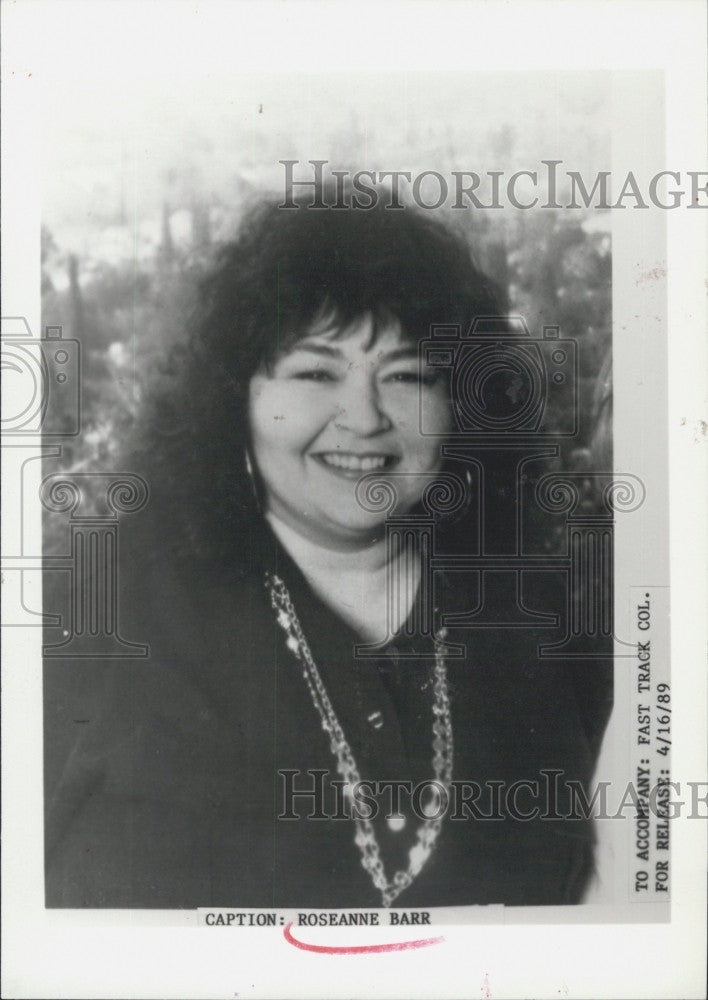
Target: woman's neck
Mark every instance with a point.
(358, 582)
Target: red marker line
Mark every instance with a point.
(360, 949)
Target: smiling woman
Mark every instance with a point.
(352, 407)
(298, 736)
(352, 400)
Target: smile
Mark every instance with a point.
(347, 463)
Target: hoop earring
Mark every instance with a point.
(255, 492)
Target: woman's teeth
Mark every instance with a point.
(355, 463)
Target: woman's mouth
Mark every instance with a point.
(351, 465)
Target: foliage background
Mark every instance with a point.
(142, 184)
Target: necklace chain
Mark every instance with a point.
(365, 837)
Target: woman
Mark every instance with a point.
(231, 767)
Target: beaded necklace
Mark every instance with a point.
(365, 837)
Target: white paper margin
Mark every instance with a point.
(56, 955)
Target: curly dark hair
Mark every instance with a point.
(287, 268)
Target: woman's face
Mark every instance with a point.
(334, 409)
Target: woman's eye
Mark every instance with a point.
(315, 375)
(413, 378)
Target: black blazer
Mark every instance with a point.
(163, 775)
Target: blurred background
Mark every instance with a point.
(143, 178)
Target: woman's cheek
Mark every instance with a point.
(270, 406)
(286, 416)
(439, 419)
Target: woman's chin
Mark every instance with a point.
(357, 531)
(334, 528)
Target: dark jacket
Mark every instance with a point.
(163, 774)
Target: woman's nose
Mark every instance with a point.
(360, 409)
